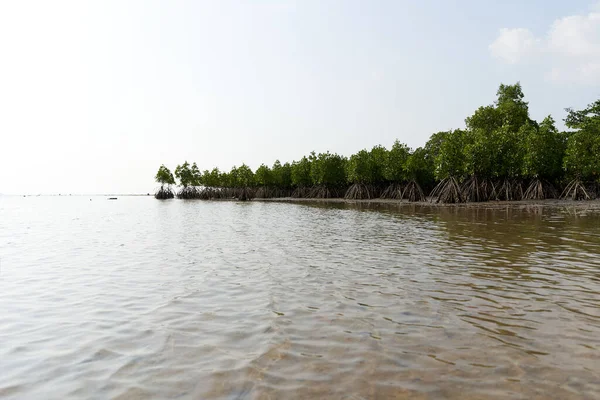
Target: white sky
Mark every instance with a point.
(94, 96)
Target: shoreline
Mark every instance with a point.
(553, 203)
(593, 205)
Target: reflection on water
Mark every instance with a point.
(141, 298)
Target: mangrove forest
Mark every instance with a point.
(501, 155)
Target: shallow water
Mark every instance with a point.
(139, 298)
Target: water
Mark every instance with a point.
(138, 298)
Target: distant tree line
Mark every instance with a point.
(502, 154)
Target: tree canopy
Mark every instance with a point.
(328, 169)
(500, 151)
(582, 158)
(164, 176)
(185, 175)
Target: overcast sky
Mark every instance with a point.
(94, 96)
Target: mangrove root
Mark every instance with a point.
(394, 191)
(447, 191)
(360, 191)
(413, 192)
(539, 190)
(244, 194)
(189, 192)
(264, 192)
(575, 190)
(164, 193)
(474, 190)
(510, 190)
(323, 192)
(301, 192)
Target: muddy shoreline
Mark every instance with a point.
(553, 203)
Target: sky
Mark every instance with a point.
(96, 95)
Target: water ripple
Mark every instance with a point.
(182, 299)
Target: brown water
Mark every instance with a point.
(139, 298)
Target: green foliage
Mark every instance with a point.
(328, 169)
(588, 118)
(479, 155)
(378, 160)
(485, 119)
(501, 143)
(582, 158)
(196, 175)
(544, 150)
(263, 176)
(395, 163)
(211, 178)
(242, 176)
(367, 166)
(495, 141)
(513, 111)
(511, 151)
(226, 179)
(164, 176)
(432, 147)
(282, 175)
(359, 167)
(495, 154)
(420, 167)
(450, 160)
(184, 174)
(232, 179)
(480, 149)
(300, 173)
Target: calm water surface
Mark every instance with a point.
(138, 298)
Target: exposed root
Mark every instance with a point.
(324, 192)
(539, 190)
(278, 193)
(594, 190)
(189, 192)
(301, 192)
(475, 190)
(394, 191)
(447, 191)
(487, 186)
(360, 191)
(164, 193)
(244, 194)
(575, 190)
(264, 192)
(320, 192)
(229, 193)
(510, 190)
(287, 193)
(413, 192)
(206, 193)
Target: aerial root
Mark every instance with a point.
(447, 191)
(475, 190)
(539, 190)
(394, 191)
(301, 192)
(264, 192)
(413, 192)
(189, 192)
(164, 193)
(575, 190)
(244, 194)
(360, 191)
(325, 192)
(320, 192)
(510, 190)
